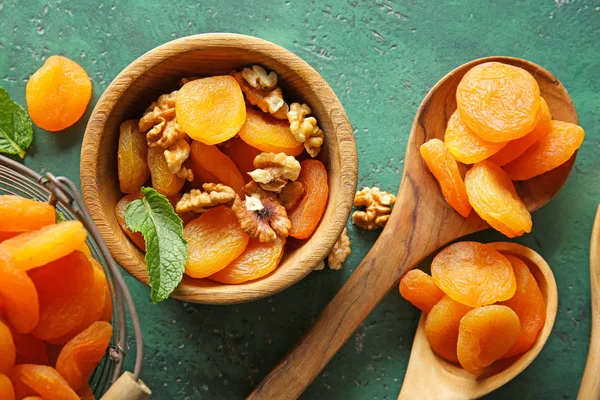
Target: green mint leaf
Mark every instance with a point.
(60, 217)
(16, 131)
(166, 250)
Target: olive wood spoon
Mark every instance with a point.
(420, 223)
(429, 377)
(590, 384)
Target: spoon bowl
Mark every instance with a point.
(428, 376)
(421, 223)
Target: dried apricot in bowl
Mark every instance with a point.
(473, 274)
(58, 93)
(549, 152)
(132, 157)
(210, 159)
(441, 327)
(499, 102)
(211, 110)
(493, 196)
(163, 180)
(269, 134)
(136, 237)
(18, 214)
(420, 289)
(305, 217)
(444, 168)
(485, 335)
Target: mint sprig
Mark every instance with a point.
(16, 130)
(166, 250)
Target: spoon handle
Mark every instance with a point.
(412, 233)
(590, 384)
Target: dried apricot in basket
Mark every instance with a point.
(269, 134)
(20, 303)
(58, 93)
(30, 350)
(29, 379)
(420, 289)
(441, 327)
(499, 102)
(8, 351)
(305, 217)
(18, 214)
(7, 392)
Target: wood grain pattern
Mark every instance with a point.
(157, 72)
(429, 377)
(421, 222)
(590, 384)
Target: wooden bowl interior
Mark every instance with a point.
(157, 72)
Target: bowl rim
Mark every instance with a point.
(342, 131)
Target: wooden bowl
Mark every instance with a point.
(157, 72)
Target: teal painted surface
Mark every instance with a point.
(380, 58)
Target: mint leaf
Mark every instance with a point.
(166, 250)
(16, 131)
(60, 217)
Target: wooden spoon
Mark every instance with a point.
(421, 223)
(590, 384)
(430, 377)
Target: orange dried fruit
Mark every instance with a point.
(64, 288)
(243, 155)
(516, 147)
(257, 260)
(465, 145)
(36, 248)
(136, 237)
(33, 398)
(18, 214)
(163, 180)
(20, 304)
(211, 110)
(485, 335)
(30, 379)
(7, 235)
(441, 327)
(211, 159)
(132, 157)
(30, 350)
(269, 134)
(8, 351)
(7, 392)
(419, 288)
(444, 168)
(214, 239)
(307, 214)
(549, 152)
(499, 102)
(58, 93)
(529, 304)
(493, 196)
(83, 353)
(474, 274)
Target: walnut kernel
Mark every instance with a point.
(377, 208)
(269, 101)
(214, 194)
(273, 171)
(305, 129)
(159, 121)
(176, 154)
(341, 250)
(258, 78)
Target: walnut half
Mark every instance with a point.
(159, 121)
(341, 250)
(268, 100)
(377, 208)
(214, 194)
(273, 171)
(305, 128)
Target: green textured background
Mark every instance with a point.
(380, 58)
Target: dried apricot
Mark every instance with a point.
(211, 159)
(493, 196)
(7, 235)
(20, 303)
(64, 288)
(549, 152)
(7, 391)
(441, 327)
(308, 213)
(258, 260)
(485, 335)
(529, 304)
(269, 134)
(499, 102)
(83, 353)
(18, 214)
(243, 155)
(420, 289)
(33, 398)
(29, 379)
(211, 110)
(8, 352)
(466, 146)
(132, 157)
(58, 93)
(136, 237)
(473, 274)
(36, 248)
(163, 180)
(214, 239)
(30, 350)
(444, 168)
(516, 147)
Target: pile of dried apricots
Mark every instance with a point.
(55, 304)
(228, 153)
(503, 129)
(481, 305)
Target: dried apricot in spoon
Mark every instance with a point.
(420, 289)
(441, 327)
(58, 93)
(211, 110)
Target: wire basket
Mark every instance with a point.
(19, 180)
